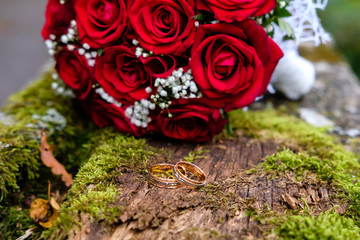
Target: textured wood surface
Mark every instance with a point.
(219, 211)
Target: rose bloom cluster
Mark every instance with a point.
(153, 67)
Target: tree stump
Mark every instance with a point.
(220, 211)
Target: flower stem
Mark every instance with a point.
(228, 125)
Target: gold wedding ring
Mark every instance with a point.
(163, 168)
(179, 171)
(190, 168)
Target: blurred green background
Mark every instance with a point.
(342, 19)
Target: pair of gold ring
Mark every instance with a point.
(160, 175)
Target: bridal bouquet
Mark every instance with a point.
(170, 67)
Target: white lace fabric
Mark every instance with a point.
(305, 23)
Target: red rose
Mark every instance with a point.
(162, 66)
(192, 121)
(58, 17)
(75, 72)
(163, 26)
(100, 22)
(122, 75)
(107, 114)
(232, 63)
(236, 10)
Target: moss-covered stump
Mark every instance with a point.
(224, 209)
(311, 178)
(276, 178)
(149, 212)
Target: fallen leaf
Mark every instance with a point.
(49, 160)
(39, 209)
(54, 204)
(43, 213)
(51, 219)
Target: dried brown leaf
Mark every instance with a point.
(43, 213)
(49, 160)
(39, 209)
(54, 204)
(51, 219)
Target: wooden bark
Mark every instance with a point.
(219, 212)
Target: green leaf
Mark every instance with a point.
(284, 26)
(281, 12)
(100, 52)
(199, 17)
(204, 17)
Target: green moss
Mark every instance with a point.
(301, 224)
(25, 108)
(67, 220)
(273, 124)
(198, 153)
(21, 171)
(115, 151)
(330, 170)
(96, 202)
(218, 197)
(36, 100)
(19, 158)
(300, 163)
(104, 153)
(14, 222)
(328, 225)
(318, 152)
(94, 189)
